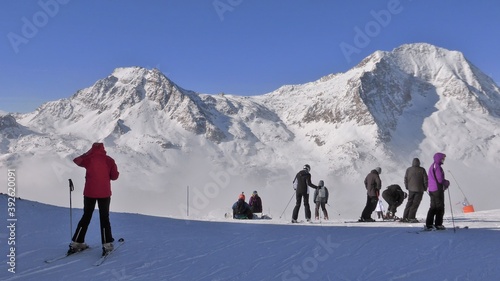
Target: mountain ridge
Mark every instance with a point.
(393, 106)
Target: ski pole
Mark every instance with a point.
(333, 211)
(71, 188)
(287, 204)
(465, 197)
(451, 208)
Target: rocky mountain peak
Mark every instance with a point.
(356, 118)
(10, 129)
(128, 86)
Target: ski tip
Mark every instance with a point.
(121, 240)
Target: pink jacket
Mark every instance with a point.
(101, 169)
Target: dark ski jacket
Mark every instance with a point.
(416, 179)
(373, 184)
(100, 170)
(303, 179)
(255, 203)
(436, 177)
(241, 210)
(395, 193)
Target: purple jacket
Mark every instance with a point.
(255, 203)
(436, 174)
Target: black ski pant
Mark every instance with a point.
(436, 211)
(371, 205)
(414, 199)
(298, 196)
(88, 210)
(323, 207)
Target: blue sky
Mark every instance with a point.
(49, 49)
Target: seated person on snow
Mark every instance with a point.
(255, 203)
(241, 210)
(394, 196)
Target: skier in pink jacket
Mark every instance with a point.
(100, 170)
(437, 185)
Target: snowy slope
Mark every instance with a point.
(172, 249)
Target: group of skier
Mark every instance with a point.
(244, 210)
(101, 169)
(416, 181)
(393, 195)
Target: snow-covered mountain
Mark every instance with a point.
(411, 102)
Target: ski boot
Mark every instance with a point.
(389, 216)
(75, 247)
(440, 227)
(107, 248)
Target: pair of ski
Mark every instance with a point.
(303, 222)
(100, 261)
(424, 230)
(369, 221)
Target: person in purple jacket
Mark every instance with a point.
(437, 185)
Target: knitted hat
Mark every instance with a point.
(241, 196)
(379, 170)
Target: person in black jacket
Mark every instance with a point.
(416, 182)
(394, 196)
(372, 185)
(301, 182)
(241, 210)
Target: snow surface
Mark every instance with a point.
(174, 249)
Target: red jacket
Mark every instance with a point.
(100, 170)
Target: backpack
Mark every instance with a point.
(240, 208)
(322, 192)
